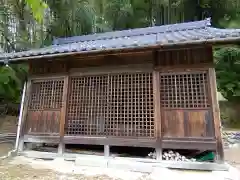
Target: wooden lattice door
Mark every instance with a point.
(116, 105)
(45, 103)
(185, 104)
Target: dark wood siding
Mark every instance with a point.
(184, 57)
(187, 123)
(150, 99)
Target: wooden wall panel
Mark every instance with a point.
(173, 123)
(184, 57)
(196, 124)
(48, 66)
(43, 122)
(111, 60)
(187, 123)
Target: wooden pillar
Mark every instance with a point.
(157, 114)
(20, 146)
(61, 145)
(216, 115)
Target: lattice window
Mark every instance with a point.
(184, 90)
(113, 105)
(87, 109)
(131, 105)
(46, 95)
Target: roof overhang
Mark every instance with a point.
(120, 51)
(180, 35)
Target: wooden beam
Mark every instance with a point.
(193, 67)
(47, 77)
(140, 68)
(189, 144)
(63, 114)
(111, 141)
(216, 115)
(157, 113)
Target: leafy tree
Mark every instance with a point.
(228, 72)
(10, 83)
(38, 8)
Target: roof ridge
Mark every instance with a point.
(135, 32)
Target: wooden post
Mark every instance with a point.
(216, 115)
(20, 146)
(61, 145)
(20, 115)
(157, 114)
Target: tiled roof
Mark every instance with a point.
(182, 33)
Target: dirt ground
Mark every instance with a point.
(232, 156)
(17, 172)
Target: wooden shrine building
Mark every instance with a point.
(148, 87)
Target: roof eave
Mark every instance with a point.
(219, 41)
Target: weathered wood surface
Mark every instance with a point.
(216, 115)
(161, 99)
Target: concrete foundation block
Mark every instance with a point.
(21, 145)
(91, 161)
(30, 146)
(130, 166)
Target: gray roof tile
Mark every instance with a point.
(187, 33)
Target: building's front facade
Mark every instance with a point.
(150, 87)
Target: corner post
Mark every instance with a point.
(61, 146)
(157, 114)
(20, 115)
(216, 115)
(22, 118)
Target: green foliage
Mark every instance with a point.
(11, 82)
(228, 72)
(70, 18)
(38, 7)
